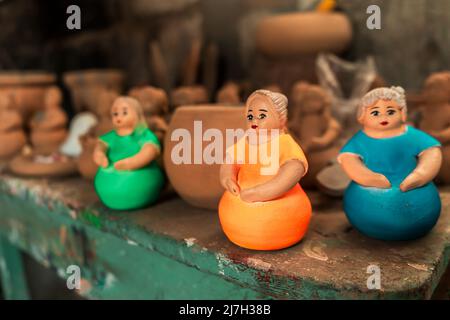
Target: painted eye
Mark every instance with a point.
(250, 117)
(375, 113)
(124, 113)
(115, 114)
(262, 116)
(391, 112)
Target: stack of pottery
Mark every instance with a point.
(48, 133)
(198, 183)
(12, 136)
(48, 127)
(85, 85)
(26, 89)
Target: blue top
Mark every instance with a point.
(394, 157)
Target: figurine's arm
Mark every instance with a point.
(358, 172)
(287, 177)
(427, 168)
(50, 120)
(228, 178)
(147, 154)
(331, 134)
(99, 155)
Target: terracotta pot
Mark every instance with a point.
(86, 86)
(199, 184)
(11, 143)
(85, 162)
(303, 33)
(27, 89)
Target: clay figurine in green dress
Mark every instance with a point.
(128, 176)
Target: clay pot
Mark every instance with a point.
(11, 143)
(86, 85)
(303, 33)
(27, 89)
(85, 162)
(199, 184)
(188, 95)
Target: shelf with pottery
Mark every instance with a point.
(173, 250)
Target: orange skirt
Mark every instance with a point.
(269, 225)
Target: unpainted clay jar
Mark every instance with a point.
(48, 127)
(188, 95)
(230, 93)
(435, 116)
(86, 85)
(27, 89)
(155, 104)
(198, 184)
(310, 119)
(12, 136)
(303, 33)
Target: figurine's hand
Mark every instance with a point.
(100, 158)
(232, 187)
(414, 180)
(249, 195)
(379, 181)
(122, 164)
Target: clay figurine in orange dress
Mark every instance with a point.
(264, 207)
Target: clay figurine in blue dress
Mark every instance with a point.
(128, 176)
(391, 165)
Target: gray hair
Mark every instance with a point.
(396, 94)
(279, 100)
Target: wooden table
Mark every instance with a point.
(175, 251)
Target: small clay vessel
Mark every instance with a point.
(128, 177)
(48, 127)
(27, 89)
(86, 85)
(188, 95)
(230, 93)
(392, 166)
(185, 177)
(312, 125)
(12, 136)
(155, 104)
(279, 35)
(264, 207)
(435, 116)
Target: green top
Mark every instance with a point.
(121, 147)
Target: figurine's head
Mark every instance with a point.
(437, 88)
(383, 109)
(154, 101)
(53, 97)
(188, 95)
(266, 110)
(310, 98)
(127, 113)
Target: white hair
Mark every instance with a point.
(396, 94)
(279, 100)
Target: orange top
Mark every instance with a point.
(258, 163)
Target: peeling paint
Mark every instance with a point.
(190, 241)
(259, 264)
(421, 267)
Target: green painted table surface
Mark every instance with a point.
(175, 251)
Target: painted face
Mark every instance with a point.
(123, 116)
(383, 115)
(261, 114)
